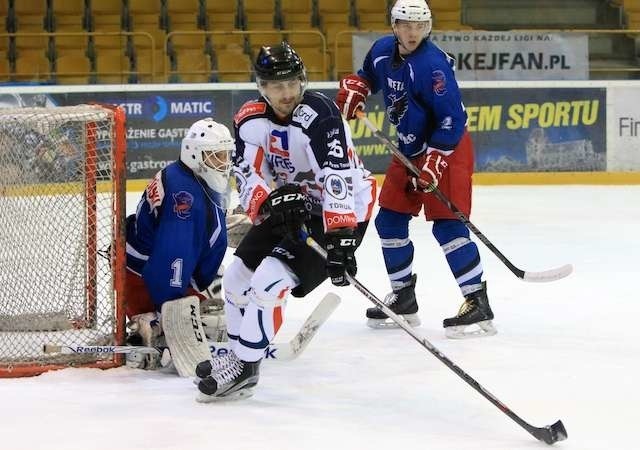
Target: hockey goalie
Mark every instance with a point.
(176, 242)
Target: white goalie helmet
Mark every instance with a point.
(412, 11)
(206, 150)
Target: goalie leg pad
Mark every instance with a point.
(185, 334)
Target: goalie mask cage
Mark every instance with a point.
(62, 200)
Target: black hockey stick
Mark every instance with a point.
(540, 277)
(549, 434)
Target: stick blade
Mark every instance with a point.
(551, 433)
(319, 316)
(548, 275)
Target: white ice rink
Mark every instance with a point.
(565, 350)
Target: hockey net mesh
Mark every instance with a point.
(59, 235)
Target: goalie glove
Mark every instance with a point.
(145, 330)
(213, 293)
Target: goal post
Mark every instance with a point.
(62, 244)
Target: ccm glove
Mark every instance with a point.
(430, 173)
(341, 245)
(287, 209)
(352, 95)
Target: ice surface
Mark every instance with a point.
(565, 350)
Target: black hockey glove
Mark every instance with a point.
(287, 209)
(341, 246)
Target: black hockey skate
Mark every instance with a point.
(233, 381)
(475, 313)
(217, 363)
(402, 302)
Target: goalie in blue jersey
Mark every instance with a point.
(175, 245)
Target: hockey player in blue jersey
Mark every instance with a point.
(175, 245)
(423, 102)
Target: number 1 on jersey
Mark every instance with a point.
(176, 278)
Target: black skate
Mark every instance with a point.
(234, 381)
(402, 302)
(475, 313)
(217, 363)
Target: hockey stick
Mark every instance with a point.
(549, 434)
(536, 277)
(75, 348)
(283, 351)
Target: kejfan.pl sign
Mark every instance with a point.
(509, 55)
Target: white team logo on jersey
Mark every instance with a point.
(304, 115)
(336, 186)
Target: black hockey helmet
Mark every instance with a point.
(278, 62)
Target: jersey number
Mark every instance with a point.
(335, 149)
(176, 278)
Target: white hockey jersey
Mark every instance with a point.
(312, 148)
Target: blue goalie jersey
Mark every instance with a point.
(177, 238)
(421, 95)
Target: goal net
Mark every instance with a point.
(62, 199)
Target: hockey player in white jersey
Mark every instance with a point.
(295, 165)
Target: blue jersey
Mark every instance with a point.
(178, 237)
(421, 95)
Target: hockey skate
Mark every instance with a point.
(233, 382)
(473, 319)
(402, 302)
(217, 363)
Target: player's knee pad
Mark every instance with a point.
(236, 281)
(271, 283)
(448, 230)
(392, 227)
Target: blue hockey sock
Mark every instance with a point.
(461, 253)
(397, 249)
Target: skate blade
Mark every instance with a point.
(234, 396)
(479, 329)
(381, 324)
